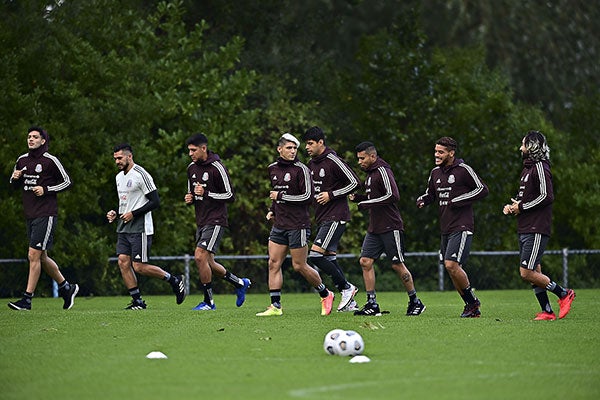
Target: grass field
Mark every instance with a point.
(97, 350)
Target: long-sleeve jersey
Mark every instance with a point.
(132, 188)
(292, 181)
(331, 174)
(381, 199)
(40, 169)
(456, 187)
(211, 207)
(536, 196)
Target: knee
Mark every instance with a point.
(366, 263)
(525, 274)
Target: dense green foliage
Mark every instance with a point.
(100, 72)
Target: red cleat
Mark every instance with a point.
(565, 303)
(545, 316)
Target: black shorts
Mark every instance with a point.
(531, 249)
(135, 245)
(209, 237)
(391, 243)
(293, 238)
(40, 232)
(329, 234)
(456, 246)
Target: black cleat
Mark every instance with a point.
(20, 305)
(471, 310)
(69, 295)
(369, 309)
(415, 308)
(136, 304)
(179, 288)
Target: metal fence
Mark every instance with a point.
(566, 256)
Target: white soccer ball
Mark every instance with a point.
(343, 343)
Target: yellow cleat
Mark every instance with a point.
(270, 311)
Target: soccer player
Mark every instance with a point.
(209, 190)
(41, 176)
(333, 180)
(138, 196)
(385, 233)
(291, 195)
(455, 186)
(533, 207)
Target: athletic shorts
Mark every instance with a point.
(531, 249)
(391, 243)
(293, 238)
(208, 237)
(135, 245)
(40, 232)
(456, 246)
(329, 234)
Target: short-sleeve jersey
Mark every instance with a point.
(132, 189)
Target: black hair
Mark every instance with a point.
(39, 129)
(123, 146)
(314, 133)
(448, 143)
(367, 147)
(197, 139)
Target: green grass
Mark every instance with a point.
(97, 350)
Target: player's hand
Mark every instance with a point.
(38, 190)
(323, 198)
(420, 204)
(270, 215)
(127, 217)
(111, 216)
(18, 173)
(188, 198)
(199, 190)
(273, 194)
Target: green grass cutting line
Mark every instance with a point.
(97, 350)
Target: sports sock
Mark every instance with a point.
(64, 286)
(542, 296)
(208, 295)
(27, 297)
(234, 280)
(135, 293)
(371, 296)
(412, 296)
(275, 297)
(468, 296)
(168, 277)
(556, 289)
(325, 265)
(322, 289)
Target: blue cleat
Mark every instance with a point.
(241, 292)
(205, 307)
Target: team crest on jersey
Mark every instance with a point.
(322, 173)
(205, 176)
(38, 168)
(451, 179)
(287, 177)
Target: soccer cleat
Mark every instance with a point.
(347, 296)
(565, 303)
(270, 311)
(415, 308)
(369, 309)
(20, 305)
(327, 303)
(69, 295)
(471, 310)
(352, 306)
(205, 307)
(136, 304)
(545, 316)
(179, 288)
(241, 292)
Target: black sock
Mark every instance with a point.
(371, 297)
(412, 296)
(329, 268)
(27, 297)
(64, 286)
(468, 296)
(556, 289)
(135, 293)
(275, 297)
(542, 296)
(207, 289)
(234, 280)
(323, 291)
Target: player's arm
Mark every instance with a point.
(429, 196)
(223, 182)
(389, 190)
(152, 204)
(63, 179)
(479, 190)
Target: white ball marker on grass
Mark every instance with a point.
(360, 359)
(156, 355)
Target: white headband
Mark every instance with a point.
(290, 138)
